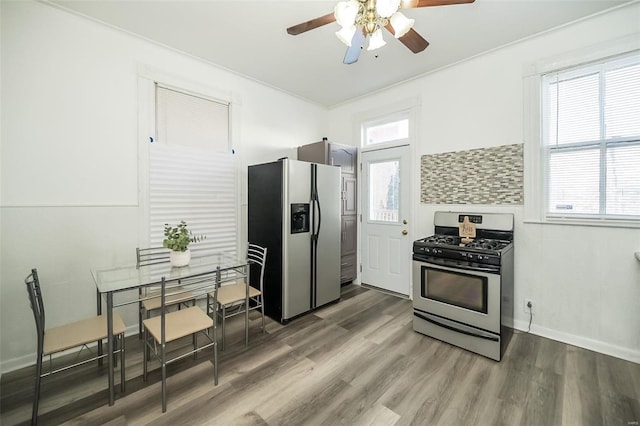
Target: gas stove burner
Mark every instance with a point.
(443, 239)
(487, 244)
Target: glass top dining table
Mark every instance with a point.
(129, 277)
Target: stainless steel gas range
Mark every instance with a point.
(463, 291)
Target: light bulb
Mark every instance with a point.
(376, 41)
(401, 24)
(386, 8)
(345, 12)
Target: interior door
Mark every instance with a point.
(386, 219)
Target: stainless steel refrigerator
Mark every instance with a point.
(294, 211)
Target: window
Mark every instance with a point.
(192, 173)
(389, 129)
(591, 140)
(384, 191)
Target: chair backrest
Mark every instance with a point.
(151, 256)
(37, 306)
(257, 255)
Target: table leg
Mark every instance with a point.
(110, 345)
(99, 311)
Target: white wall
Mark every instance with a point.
(584, 281)
(69, 147)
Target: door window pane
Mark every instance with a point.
(384, 191)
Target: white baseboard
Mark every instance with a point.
(582, 342)
(18, 363)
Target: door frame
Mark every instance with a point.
(413, 106)
(387, 231)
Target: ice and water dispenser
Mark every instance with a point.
(299, 218)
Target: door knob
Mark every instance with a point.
(404, 232)
(404, 222)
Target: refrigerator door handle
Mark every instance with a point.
(317, 203)
(314, 235)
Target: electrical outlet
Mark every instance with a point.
(528, 306)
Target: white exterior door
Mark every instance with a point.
(386, 219)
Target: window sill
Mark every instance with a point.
(602, 223)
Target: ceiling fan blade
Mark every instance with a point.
(414, 41)
(409, 4)
(353, 52)
(310, 25)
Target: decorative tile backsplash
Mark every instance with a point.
(478, 176)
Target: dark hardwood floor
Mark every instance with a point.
(354, 362)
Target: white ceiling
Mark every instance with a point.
(249, 37)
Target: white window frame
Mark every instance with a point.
(535, 159)
(147, 80)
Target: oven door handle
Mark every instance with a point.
(478, 334)
(491, 269)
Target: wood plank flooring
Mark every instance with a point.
(356, 362)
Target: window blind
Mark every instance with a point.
(591, 140)
(192, 172)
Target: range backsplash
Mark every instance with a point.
(479, 176)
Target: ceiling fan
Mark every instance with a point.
(362, 18)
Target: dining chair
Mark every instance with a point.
(233, 299)
(149, 298)
(169, 327)
(79, 334)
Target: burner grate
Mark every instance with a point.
(487, 244)
(442, 240)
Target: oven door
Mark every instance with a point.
(464, 296)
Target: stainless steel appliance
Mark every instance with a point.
(294, 211)
(463, 293)
(345, 157)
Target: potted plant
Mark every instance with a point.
(177, 239)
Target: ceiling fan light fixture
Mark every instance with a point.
(375, 40)
(386, 8)
(345, 12)
(345, 34)
(401, 24)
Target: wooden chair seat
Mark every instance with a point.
(173, 299)
(178, 324)
(58, 339)
(235, 293)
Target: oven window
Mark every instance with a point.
(455, 288)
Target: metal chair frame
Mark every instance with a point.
(256, 255)
(158, 347)
(37, 305)
(154, 256)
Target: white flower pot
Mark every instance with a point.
(180, 258)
